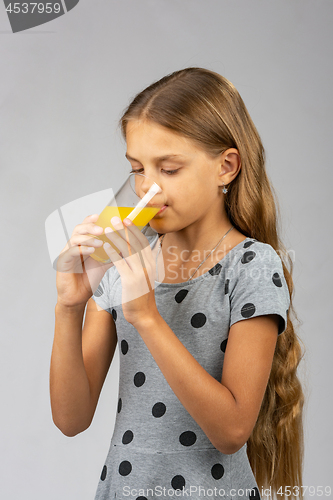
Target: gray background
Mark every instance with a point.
(63, 87)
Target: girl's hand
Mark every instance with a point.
(78, 275)
(136, 266)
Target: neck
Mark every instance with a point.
(196, 240)
(209, 254)
(212, 247)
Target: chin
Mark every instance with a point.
(156, 227)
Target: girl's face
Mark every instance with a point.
(187, 175)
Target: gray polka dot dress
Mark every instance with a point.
(157, 449)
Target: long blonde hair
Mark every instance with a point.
(205, 107)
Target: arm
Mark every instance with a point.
(80, 361)
(226, 411)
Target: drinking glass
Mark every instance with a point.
(130, 201)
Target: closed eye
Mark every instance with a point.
(169, 172)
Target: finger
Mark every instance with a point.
(77, 250)
(136, 233)
(147, 256)
(124, 238)
(88, 228)
(136, 278)
(119, 261)
(123, 242)
(81, 239)
(91, 218)
(73, 255)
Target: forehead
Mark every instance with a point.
(149, 137)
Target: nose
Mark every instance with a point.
(144, 184)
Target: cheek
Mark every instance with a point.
(198, 190)
(192, 192)
(176, 193)
(188, 201)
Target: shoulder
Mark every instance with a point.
(257, 284)
(256, 268)
(254, 254)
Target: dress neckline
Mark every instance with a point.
(207, 273)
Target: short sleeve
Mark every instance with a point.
(103, 295)
(257, 284)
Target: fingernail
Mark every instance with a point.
(106, 245)
(108, 230)
(127, 221)
(115, 220)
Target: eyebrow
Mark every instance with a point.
(159, 159)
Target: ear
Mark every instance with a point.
(230, 165)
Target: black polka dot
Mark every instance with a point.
(124, 346)
(104, 472)
(277, 280)
(198, 320)
(119, 405)
(248, 310)
(141, 498)
(99, 291)
(247, 257)
(187, 438)
(125, 468)
(139, 379)
(217, 471)
(180, 296)
(224, 345)
(214, 271)
(158, 410)
(226, 287)
(248, 244)
(178, 482)
(114, 314)
(254, 494)
(127, 437)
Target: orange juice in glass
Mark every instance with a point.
(133, 201)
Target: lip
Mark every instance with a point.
(162, 209)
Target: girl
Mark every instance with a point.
(209, 400)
